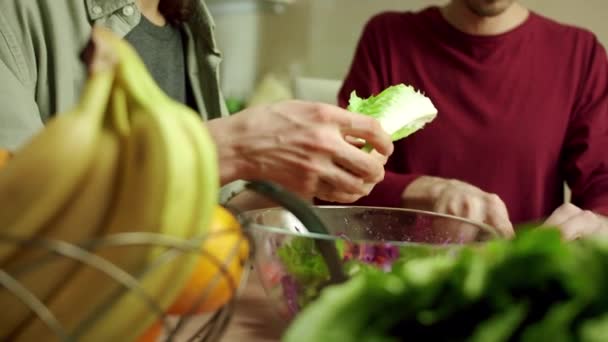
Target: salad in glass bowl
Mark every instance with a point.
(293, 272)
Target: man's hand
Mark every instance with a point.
(303, 147)
(460, 199)
(575, 223)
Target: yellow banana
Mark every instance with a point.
(180, 170)
(47, 170)
(141, 89)
(206, 181)
(151, 170)
(79, 220)
(148, 103)
(160, 190)
(207, 170)
(167, 183)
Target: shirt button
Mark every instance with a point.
(128, 11)
(97, 10)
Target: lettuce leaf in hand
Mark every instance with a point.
(400, 109)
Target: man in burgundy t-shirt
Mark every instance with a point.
(523, 107)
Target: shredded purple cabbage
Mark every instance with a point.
(382, 255)
(290, 293)
(367, 253)
(391, 251)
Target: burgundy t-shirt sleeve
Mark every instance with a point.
(368, 75)
(586, 146)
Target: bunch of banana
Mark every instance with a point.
(49, 185)
(128, 160)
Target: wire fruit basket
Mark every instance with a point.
(190, 326)
(83, 254)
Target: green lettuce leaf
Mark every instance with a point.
(595, 330)
(400, 109)
(535, 287)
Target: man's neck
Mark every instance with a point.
(462, 18)
(149, 9)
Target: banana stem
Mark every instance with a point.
(102, 63)
(131, 73)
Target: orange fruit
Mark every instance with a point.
(226, 248)
(5, 156)
(152, 334)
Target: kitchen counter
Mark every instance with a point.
(253, 321)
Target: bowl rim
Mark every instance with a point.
(248, 224)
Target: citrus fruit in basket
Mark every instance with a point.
(218, 272)
(5, 156)
(153, 333)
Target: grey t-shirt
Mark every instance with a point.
(162, 50)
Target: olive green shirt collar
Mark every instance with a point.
(101, 8)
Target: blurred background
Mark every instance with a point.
(277, 49)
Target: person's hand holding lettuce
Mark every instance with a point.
(401, 111)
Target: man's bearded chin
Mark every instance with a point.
(488, 8)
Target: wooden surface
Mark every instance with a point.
(255, 319)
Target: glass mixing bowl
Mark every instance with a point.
(293, 272)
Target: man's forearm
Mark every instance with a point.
(232, 165)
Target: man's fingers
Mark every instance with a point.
(441, 206)
(473, 209)
(574, 223)
(502, 224)
(337, 197)
(582, 224)
(328, 193)
(562, 214)
(342, 180)
(354, 141)
(498, 216)
(380, 158)
(369, 129)
(351, 124)
(487, 208)
(365, 165)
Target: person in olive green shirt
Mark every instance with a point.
(300, 145)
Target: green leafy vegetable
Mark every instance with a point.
(302, 260)
(400, 109)
(534, 288)
(306, 265)
(307, 270)
(595, 330)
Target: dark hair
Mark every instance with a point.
(177, 11)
